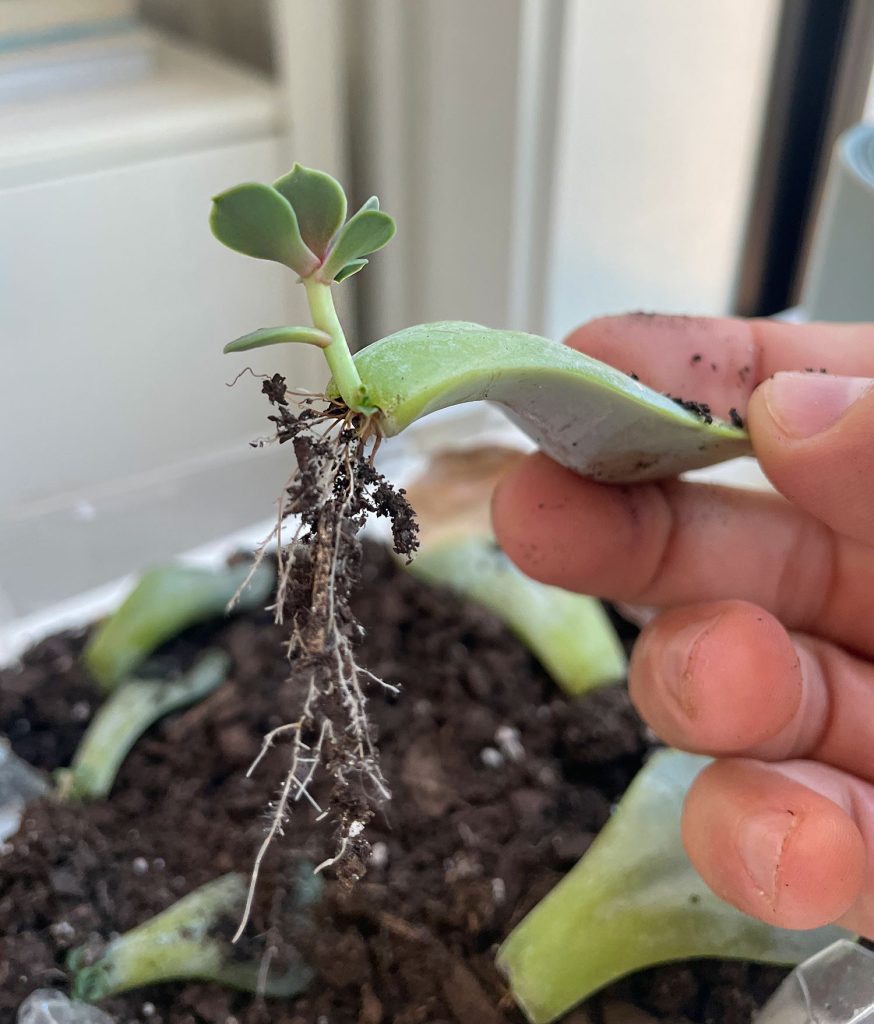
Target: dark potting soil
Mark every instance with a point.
(471, 840)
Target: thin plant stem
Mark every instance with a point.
(339, 358)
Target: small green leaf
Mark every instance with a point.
(351, 268)
(257, 221)
(364, 233)
(371, 204)
(279, 336)
(165, 601)
(634, 901)
(319, 202)
(570, 634)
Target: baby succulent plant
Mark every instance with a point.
(585, 414)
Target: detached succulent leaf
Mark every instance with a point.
(278, 336)
(351, 268)
(634, 901)
(187, 941)
(569, 634)
(165, 601)
(319, 202)
(364, 233)
(587, 415)
(125, 715)
(257, 221)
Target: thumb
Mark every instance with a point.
(813, 434)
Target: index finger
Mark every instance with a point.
(721, 360)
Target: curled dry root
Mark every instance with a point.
(332, 493)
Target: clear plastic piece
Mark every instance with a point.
(19, 784)
(47, 1006)
(836, 986)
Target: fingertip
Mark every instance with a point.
(719, 678)
(811, 433)
(772, 847)
(710, 359)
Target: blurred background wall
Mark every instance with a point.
(546, 162)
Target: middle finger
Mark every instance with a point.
(676, 543)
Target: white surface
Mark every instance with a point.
(123, 444)
(44, 71)
(117, 301)
(25, 16)
(434, 94)
(191, 102)
(662, 106)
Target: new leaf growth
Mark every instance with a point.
(299, 221)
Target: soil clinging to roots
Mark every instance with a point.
(332, 493)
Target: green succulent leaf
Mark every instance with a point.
(570, 634)
(370, 204)
(583, 413)
(188, 941)
(125, 715)
(165, 601)
(634, 901)
(365, 232)
(351, 268)
(278, 336)
(319, 202)
(256, 220)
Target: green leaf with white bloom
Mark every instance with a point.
(585, 414)
(370, 204)
(279, 336)
(570, 634)
(364, 233)
(257, 221)
(125, 715)
(165, 601)
(351, 268)
(189, 940)
(634, 901)
(319, 202)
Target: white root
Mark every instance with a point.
(335, 704)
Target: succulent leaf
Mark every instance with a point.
(634, 901)
(257, 221)
(351, 268)
(186, 941)
(319, 202)
(278, 336)
(570, 634)
(589, 416)
(165, 601)
(125, 715)
(364, 233)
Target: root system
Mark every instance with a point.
(334, 490)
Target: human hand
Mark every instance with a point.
(762, 652)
